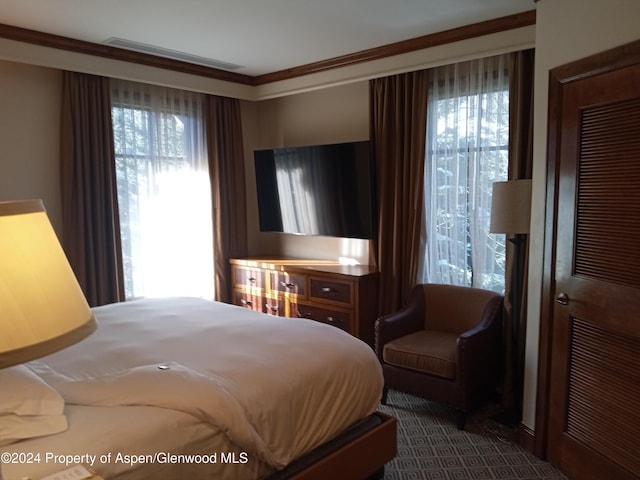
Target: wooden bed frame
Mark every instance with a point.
(360, 453)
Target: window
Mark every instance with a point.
(466, 151)
(164, 194)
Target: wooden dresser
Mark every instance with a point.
(341, 295)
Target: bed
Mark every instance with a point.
(189, 388)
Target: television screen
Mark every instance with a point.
(325, 190)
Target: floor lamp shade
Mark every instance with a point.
(42, 307)
(511, 207)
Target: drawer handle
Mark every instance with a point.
(252, 279)
(330, 319)
(288, 285)
(246, 302)
(327, 289)
(273, 308)
(301, 314)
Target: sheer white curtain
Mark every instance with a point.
(466, 151)
(164, 192)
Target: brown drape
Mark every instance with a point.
(521, 72)
(91, 228)
(398, 132)
(226, 170)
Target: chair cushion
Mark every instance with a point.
(428, 351)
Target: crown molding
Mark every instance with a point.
(99, 50)
(419, 43)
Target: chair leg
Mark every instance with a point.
(461, 419)
(385, 392)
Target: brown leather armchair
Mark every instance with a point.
(444, 345)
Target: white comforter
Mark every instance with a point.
(275, 386)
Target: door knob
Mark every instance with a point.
(562, 299)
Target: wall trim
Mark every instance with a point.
(527, 438)
(466, 32)
(419, 43)
(99, 50)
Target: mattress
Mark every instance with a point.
(162, 378)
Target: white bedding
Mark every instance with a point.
(270, 387)
(137, 432)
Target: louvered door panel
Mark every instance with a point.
(604, 387)
(608, 203)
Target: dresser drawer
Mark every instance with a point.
(273, 306)
(332, 317)
(331, 290)
(289, 283)
(248, 277)
(247, 300)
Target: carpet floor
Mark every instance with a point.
(430, 447)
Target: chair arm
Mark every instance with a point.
(398, 324)
(482, 338)
(478, 350)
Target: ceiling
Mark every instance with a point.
(253, 37)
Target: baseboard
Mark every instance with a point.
(526, 438)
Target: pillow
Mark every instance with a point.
(25, 393)
(18, 427)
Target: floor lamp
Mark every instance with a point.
(42, 307)
(511, 215)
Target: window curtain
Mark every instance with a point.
(467, 154)
(91, 231)
(398, 124)
(226, 164)
(521, 68)
(467, 151)
(163, 190)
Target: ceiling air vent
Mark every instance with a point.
(168, 53)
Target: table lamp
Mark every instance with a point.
(42, 307)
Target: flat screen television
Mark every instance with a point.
(325, 190)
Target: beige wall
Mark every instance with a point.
(339, 114)
(566, 30)
(29, 135)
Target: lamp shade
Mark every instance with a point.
(511, 207)
(42, 307)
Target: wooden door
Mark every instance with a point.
(593, 286)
